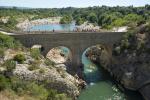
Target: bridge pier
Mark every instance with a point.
(76, 62)
(76, 42)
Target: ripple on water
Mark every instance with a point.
(101, 86)
(101, 91)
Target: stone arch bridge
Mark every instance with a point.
(75, 41)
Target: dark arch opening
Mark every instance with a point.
(42, 49)
(92, 62)
(38, 46)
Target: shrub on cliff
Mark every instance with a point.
(20, 58)
(41, 71)
(33, 67)
(49, 62)
(1, 52)
(8, 42)
(39, 92)
(35, 53)
(4, 83)
(22, 87)
(53, 95)
(10, 65)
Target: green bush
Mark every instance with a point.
(8, 42)
(33, 67)
(18, 44)
(66, 20)
(10, 65)
(79, 21)
(35, 53)
(49, 62)
(18, 85)
(1, 52)
(4, 82)
(20, 58)
(53, 95)
(37, 91)
(22, 87)
(62, 97)
(41, 71)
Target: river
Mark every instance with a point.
(101, 86)
(53, 27)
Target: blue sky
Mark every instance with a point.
(72, 3)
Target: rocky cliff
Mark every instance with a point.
(42, 70)
(130, 60)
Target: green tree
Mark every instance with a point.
(132, 18)
(119, 22)
(66, 20)
(20, 58)
(92, 18)
(79, 21)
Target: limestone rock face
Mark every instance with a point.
(131, 66)
(56, 56)
(61, 81)
(55, 76)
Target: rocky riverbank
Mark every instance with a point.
(130, 61)
(56, 55)
(25, 25)
(43, 70)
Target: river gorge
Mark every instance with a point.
(100, 84)
(74, 50)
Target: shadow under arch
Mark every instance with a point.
(38, 46)
(91, 70)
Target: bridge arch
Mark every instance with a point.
(95, 53)
(76, 42)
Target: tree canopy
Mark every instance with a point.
(103, 16)
(66, 20)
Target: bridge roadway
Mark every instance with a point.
(77, 42)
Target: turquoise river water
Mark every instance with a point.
(51, 27)
(101, 86)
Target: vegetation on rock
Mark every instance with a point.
(35, 53)
(10, 65)
(14, 87)
(20, 58)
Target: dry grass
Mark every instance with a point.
(10, 95)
